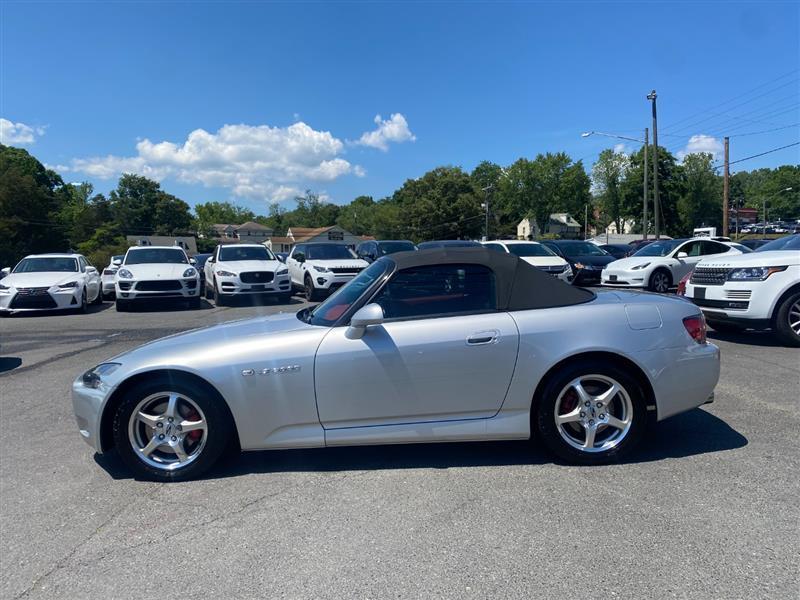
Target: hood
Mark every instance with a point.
(44, 279)
(157, 270)
(339, 262)
(633, 261)
(181, 347)
(544, 261)
(770, 258)
(592, 259)
(241, 266)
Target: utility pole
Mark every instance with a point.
(656, 204)
(586, 222)
(644, 193)
(725, 192)
(485, 206)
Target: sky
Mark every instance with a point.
(255, 102)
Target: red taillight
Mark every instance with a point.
(696, 327)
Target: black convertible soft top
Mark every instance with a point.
(520, 286)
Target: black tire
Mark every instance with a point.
(724, 327)
(220, 429)
(84, 306)
(99, 299)
(208, 292)
(544, 419)
(311, 293)
(122, 305)
(788, 312)
(660, 281)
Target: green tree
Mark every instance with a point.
(700, 201)
(141, 207)
(29, 207)
(607, 175)
(358, 216)
(209, 213)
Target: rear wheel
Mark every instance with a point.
(591, 413)
(660, 281)
(170, 430)
(787, 320)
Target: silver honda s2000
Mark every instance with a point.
(429, 346)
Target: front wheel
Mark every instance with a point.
(168, 430)
(311, 292)
(660, 281)
(591, 413)
(787, 320)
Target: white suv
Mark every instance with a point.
(660, 265)
(243, 270)
(319, 269)
(536, 254)
(759, 290)
(152, 272)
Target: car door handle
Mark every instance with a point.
(483, 337)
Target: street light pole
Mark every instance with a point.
(656, 203)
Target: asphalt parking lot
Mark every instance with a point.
(708, 508)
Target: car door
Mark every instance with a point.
(208, 267)
(296, 270)
(442, 353)
(694, 254)
(91, 279)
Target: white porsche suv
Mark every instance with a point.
(244, 270)
(661, 265)
(758, 291)
(319, 269)
(153, 272)
(536, 254)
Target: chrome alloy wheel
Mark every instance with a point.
(794, 317)
(593, 413)
(167, 430)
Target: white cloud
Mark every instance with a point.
(395, 129)
(18, 133)
(702, 143)
(621, 149)
(258, 162)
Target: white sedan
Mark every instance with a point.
(536, 254)
(108, 275)
(245, 270)
(662, 264)
(49, 282)
(156, 272)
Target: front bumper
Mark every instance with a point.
(587, 276)
(745, 303)
(624, 278)
(87, 404)
(132, 289)
(26, 300)
(234, 286)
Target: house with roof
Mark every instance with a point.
(188, 243)
(560, 224)
(246, 233)
(332, 234)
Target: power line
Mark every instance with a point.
(706, 110)
(733, 162)
(766, 130)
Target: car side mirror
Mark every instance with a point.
(300, 257)
(682, 255)
(192, 261)
(371, 314)
(89, 269)
(5, 271)
(117, 262)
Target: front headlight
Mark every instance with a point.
(641, 266)
(3, 288)
(92, 377)
(124, 274)
(753, 273)
(66, 286)
(282, 271)
(226, 274)
(190, 272)
(322, 269)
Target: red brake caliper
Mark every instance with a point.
(193, 415)
(569, 402)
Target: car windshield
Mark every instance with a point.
(392, 247)
(660, 248)
(790, 242)
(327, 313)
(47, 265)
(328, 252)
(155, 255)
(529, 250)
(234, 253)
(582, 249)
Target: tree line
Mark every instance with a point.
(39, 212)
